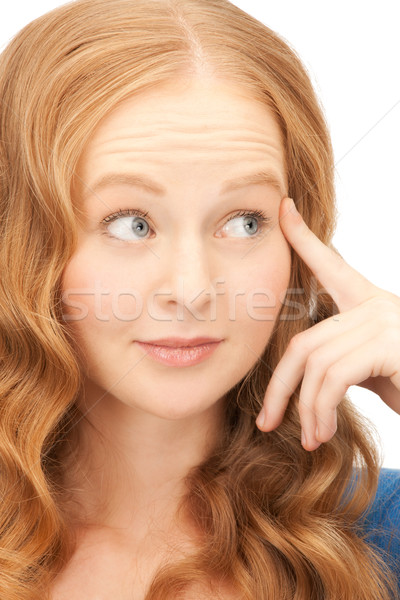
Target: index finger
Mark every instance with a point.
(347, 286)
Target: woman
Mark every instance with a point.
(150, 152)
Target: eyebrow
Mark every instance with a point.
(265, 177)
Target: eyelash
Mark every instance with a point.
(262, 218)
(129, 212)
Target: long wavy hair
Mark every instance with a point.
(277, 522)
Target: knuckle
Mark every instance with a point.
(320, 407)
(324, 408)
(387, 309)
(297, 343)
(391, 319)
(332, 376)
(316, 361)
(390, 337)
(305, 407)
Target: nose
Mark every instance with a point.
(187, 277)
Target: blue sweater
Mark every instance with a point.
(382, 523)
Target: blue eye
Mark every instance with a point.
(121, 225)
(253, 223)
(125, 223)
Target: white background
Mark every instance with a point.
(352, 52)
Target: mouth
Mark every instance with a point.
(182, 353)
(176, 342)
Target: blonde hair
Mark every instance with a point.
(278, 522)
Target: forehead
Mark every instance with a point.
(196, 107)
(200, 124)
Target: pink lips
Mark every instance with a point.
(180, 352)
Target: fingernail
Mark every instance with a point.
(261, 418)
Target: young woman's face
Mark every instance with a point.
(198, 264)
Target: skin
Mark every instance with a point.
(159, 421)
(358, 346)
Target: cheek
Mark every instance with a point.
(102, 286)
(264, 282)
(260, 286)
(93, 294)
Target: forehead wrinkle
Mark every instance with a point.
(152, 128)
(153, 133)
(126, 145)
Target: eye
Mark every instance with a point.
(120, 225)
(124, 224)
(252, 222)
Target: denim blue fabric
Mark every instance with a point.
(382, 523)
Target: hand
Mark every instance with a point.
(358, 346)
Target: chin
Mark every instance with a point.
(182, 407)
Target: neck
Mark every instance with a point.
(130, 467)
